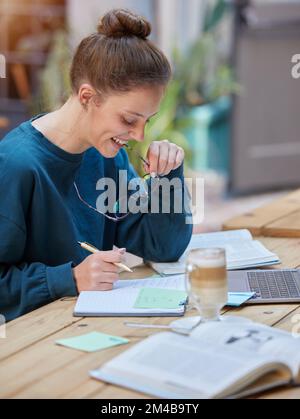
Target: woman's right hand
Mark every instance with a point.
(97, 272)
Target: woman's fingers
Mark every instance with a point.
(111, 256)
(97, 272)
(171, 159)
(163, 157)
(100, 265)
(102, 286)
(153, 157)
(104, 280)
(179, 157)
(107, 277)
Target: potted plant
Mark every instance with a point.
(206, 85)
(54, 84)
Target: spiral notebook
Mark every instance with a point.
(121, 300)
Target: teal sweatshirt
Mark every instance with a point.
(42, 219)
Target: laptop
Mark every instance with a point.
(270, 286)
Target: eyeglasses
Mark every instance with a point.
(121, 216)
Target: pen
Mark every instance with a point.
(93, 249)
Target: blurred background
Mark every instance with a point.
(233, 103)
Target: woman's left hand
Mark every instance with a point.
(163, 157)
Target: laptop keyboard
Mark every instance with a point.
(281, 284)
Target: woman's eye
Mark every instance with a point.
(127, 122)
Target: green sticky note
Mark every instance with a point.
(160, 298)
(91, 342)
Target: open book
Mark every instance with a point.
(241, 251)
(218, 360)
(121, 299)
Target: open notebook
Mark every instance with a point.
(121, 300)
(219, 360)
(241, 251)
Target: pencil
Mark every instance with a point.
(92, 249)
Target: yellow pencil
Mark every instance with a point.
(92, 249)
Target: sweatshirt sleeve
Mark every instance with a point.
(158, 237)
(24, 285)
(27, 286)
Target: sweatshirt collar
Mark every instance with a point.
(45, 142)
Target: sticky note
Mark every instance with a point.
(160, 298)
(91, 342)
(236, 299)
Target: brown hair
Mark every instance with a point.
(119, 57)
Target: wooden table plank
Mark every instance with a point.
(37, 371)
(30, 362)
(47, 320)
(48, 370)
(268, 314)
(288, 226)
(257, 219)
(29, 329)
(31, 371)
(290, 323)
(288, 250)
(33, 366)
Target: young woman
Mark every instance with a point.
(50, 166)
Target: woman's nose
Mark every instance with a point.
(139, 135)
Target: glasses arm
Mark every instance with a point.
(95, 209)
(137, 154)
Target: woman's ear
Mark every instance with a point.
(85, 95)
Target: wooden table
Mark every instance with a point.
(32, 366)
(280, 218)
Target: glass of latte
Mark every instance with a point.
(206, 281)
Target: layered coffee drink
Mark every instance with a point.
(207, 281)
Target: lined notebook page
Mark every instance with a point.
(122, 298)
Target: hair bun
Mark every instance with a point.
(121, 22)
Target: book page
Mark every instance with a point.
(237, 251)
(239, 254)
(193, 369)
(253, 339)
(218, 239)
(220, 236)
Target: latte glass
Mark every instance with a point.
(206, 281)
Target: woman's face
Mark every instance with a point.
(120, 118)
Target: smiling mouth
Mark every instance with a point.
(119, 141)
